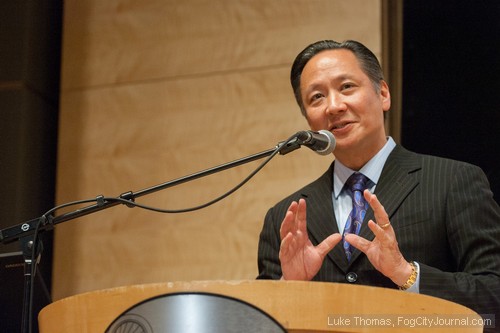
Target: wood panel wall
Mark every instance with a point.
(154, 90)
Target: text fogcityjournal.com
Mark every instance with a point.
(412, 321)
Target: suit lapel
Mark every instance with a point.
(396, 182)
(321, 221)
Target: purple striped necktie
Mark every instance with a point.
(355, 185)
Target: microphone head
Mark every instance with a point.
(322, 142)
(331, 143)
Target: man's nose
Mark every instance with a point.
(335, 103)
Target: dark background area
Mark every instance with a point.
(30, 48)
(451, 82)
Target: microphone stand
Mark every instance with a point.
(28, 230)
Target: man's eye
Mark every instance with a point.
(316, 97)
(347, 86)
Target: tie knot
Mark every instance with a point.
(357, 182)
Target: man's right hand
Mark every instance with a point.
(300, 259)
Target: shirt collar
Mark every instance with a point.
(372, 169)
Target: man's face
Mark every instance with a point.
(338, 96)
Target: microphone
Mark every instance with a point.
(322, 142)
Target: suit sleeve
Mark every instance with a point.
(269, 245)
(473, 235)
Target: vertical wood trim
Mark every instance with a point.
(392, 59)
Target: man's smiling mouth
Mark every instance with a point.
(340, 126)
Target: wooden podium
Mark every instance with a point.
(297, 306)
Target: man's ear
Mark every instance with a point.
(385, 96)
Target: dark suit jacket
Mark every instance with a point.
(444, 217)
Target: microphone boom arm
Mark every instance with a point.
(18, 231)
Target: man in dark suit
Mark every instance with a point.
(418, 223)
